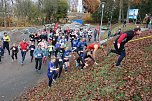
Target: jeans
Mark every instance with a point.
(120, 51)
(38, 63)
(52, 76)
(23, 53)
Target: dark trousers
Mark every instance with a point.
(120, 51)
(14, 54)
(6, 45)
(53, 75)
(80, 59)
(0, 58)
(59, 64)
(38, 63)
(31, 54)
(95, 37)
(23, 53)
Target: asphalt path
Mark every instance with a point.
(15, 78)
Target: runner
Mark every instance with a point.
(50, 48)
(32, 48)
(6, 40)
(94, 47)
(52, 71)
(32, 37)
(38, 54)
(24, 48)
(14, 49)
(120, 42)
(67, 59)
(1, 52)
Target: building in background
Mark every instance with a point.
(76, 6)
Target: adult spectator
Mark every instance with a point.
(95, 34)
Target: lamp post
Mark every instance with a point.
(102, 5)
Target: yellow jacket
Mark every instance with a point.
(6, 38)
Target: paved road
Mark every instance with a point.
(15, 78)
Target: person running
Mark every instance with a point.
(1, 52)
(66, 59)
(52, 71)
(38, 54)
(32, 37)
(45, 55)
(24, 48)
(32, 48)
(6, 40)
(74, 44)
(50, 48)
(94, 47)
(80, 48)
(120, 42)
(14, 49)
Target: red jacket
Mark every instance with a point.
(24, 46)
(91, 46)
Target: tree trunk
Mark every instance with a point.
(120, 10)
(5, 13)
(128, 11)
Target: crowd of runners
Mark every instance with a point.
(58, 47)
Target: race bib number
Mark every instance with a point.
(13, 48)
(39, 54)
(32, 48)
(60, 60)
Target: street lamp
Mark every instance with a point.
(102, 5)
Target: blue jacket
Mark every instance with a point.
(50, 65)
(75, 43)
(67, 53)
(81, 46)
(57, 45)
(46, 52)
(38, 53)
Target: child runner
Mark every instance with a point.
(32, 48)
(52, 71)
(14, 49)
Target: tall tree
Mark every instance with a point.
(120, 11)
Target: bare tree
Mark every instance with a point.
(120, 11)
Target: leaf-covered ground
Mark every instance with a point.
(133, 82)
